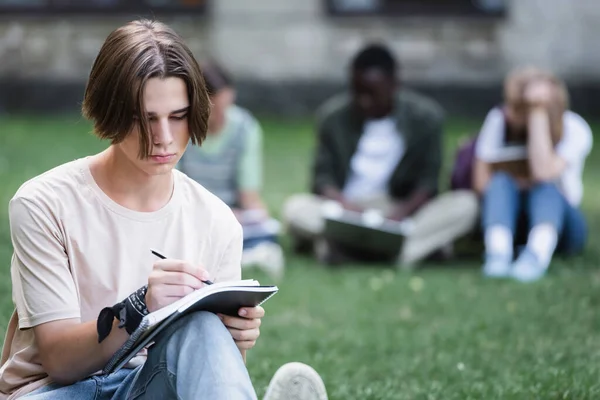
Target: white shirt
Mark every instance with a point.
(574, 148)
(379, 151)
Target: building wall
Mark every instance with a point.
(272, 44)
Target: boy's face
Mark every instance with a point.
(373, 92)
(167, 103)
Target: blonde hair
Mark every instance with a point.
(516, 83)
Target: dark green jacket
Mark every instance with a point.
(420, 122)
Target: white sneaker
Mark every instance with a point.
(296, 381)
(527, 268)
(496, 266)
(267, 256)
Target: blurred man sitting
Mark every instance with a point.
(229, 164)
(529, 160)
(380, 147)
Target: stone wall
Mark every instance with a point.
(291, 54)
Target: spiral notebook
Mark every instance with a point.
(223, 298)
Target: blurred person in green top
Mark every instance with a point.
(230, 165)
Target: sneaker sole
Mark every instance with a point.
(296, 381)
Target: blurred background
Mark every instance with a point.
(372, 332)
(288, 56)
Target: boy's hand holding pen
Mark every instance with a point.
(171, 280)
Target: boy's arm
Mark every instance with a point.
(70, 351)
(47, 300)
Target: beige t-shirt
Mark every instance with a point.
(76, 251)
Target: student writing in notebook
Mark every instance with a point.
(82, 234)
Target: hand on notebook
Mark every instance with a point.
(171, 280)
(244, 329)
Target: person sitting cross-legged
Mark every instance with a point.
(380, 147)
(529, 160)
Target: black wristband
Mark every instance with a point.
(129, 312)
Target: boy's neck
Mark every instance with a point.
(127, 185)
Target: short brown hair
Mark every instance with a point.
(131, 55)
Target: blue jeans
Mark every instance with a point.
(519, 210)
(195, 358)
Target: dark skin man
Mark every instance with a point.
(373, 95)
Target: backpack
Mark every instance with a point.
(462, 170)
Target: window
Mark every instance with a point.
(139, 7)
(491, 8)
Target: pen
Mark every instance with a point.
(157, 254)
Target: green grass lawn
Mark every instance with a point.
(440, 332)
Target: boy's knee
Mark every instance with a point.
(203, 322)
(196, 324)
(196, 342)
(301, 215)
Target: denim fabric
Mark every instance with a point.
(195, 358)
(519, 210)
